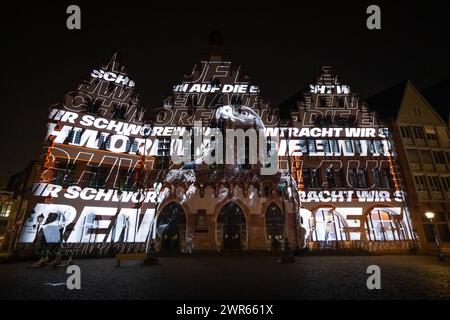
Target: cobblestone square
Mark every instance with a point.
(234, 277)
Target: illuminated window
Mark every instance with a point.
(77, 138)
(5, 209)
(101, 141)
(126, 179)
(434, 183)
(334, 146)
(382, 178)
(108, 143)
(379, 146)
(311, 178)
(348, 146)
(334, 178)
(328, 227)
(357, 145)
(371, 146)
(311, 146)
(303, 147)
(132, 145)
(70, 136)
(380, 225)
(330, 177)
(431, 134)
(406, 132)
(164, 147)
(421, 184)
(163, 159)
(358, 178)
(362, 178)
(352, 178)
(326, 146)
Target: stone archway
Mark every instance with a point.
(274, 226)
(171, 228)
(327, 228)
(231, 227)
(383, 223)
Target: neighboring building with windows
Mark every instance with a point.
(6, 206)
(350, 187)
(423, 143)
(18, 192)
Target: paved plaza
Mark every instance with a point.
(234, 277)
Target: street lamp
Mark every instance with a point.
(430, 216)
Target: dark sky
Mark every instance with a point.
(281, 47)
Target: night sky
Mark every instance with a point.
(280, 46)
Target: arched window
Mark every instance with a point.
(231, 226)
(381, 225)
(172, 214)
(328, 226)
(274, 223)
(231, 213)
(171, 227)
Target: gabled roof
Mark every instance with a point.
(387, 103)
(391, 104)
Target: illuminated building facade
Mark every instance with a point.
(423, 145)
(109, 181)
(351, 193)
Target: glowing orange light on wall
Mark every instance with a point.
(297, 172)
(392, 168)
(394, 176)
(47, 173)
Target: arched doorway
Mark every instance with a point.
(231, 225)
(328, 228)
(171, 228)
(274, 226)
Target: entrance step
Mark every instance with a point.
(337, 252)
